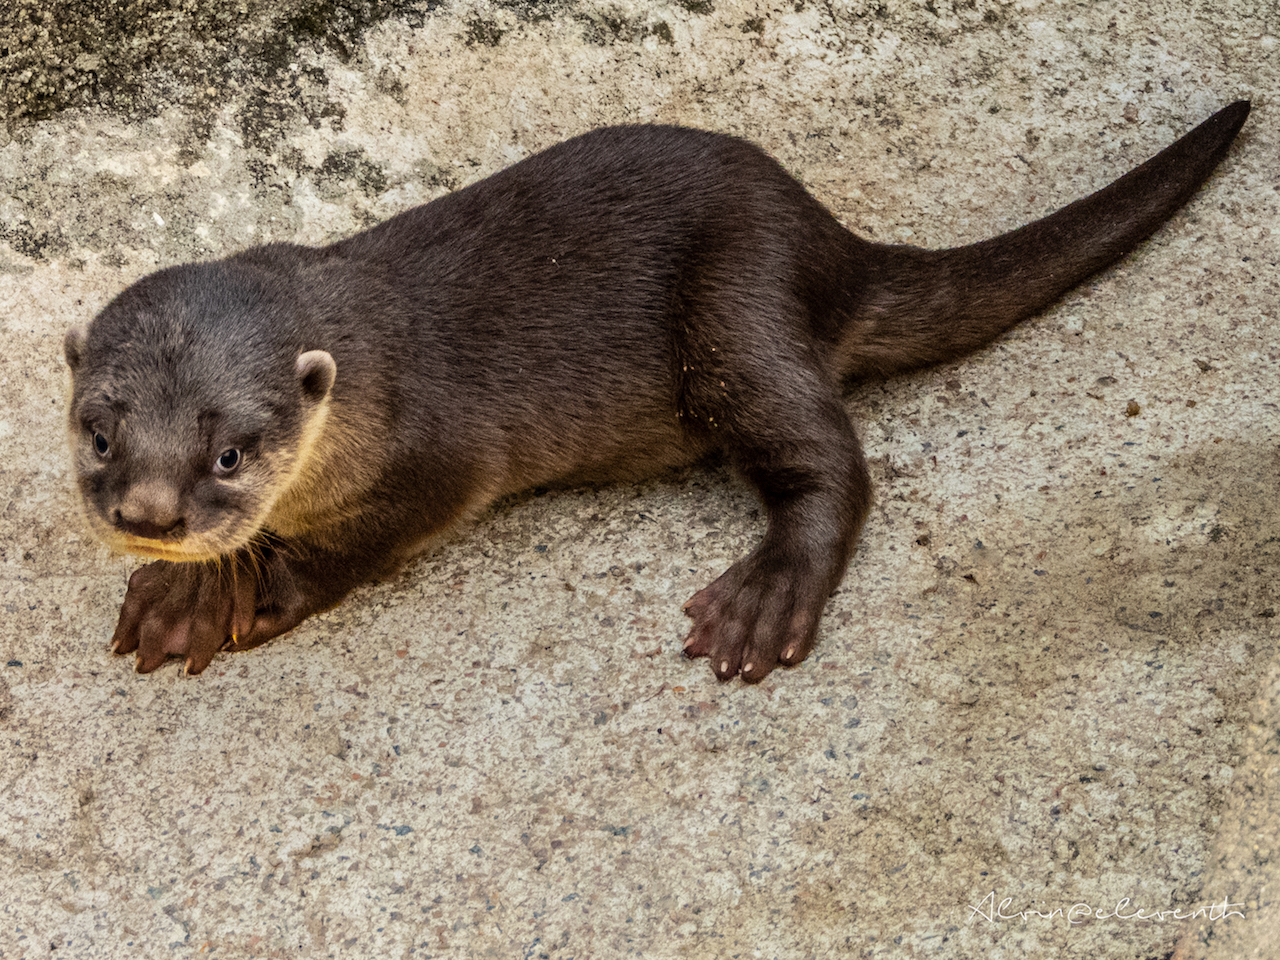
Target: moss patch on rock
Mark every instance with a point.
(139, 56)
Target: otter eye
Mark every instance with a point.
(100, 444)
(227, 461)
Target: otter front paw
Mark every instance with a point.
(758, 614)
(187, 610)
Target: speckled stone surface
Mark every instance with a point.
(1048, 681)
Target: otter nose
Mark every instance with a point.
(150, 509)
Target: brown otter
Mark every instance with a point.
(278, 426)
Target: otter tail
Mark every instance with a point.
(919, 307)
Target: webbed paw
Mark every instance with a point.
(756, 615)
(188, 610)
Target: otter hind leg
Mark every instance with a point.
(789, 435)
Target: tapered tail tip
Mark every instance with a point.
(1232, 117)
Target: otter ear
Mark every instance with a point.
(317, 371)
(73, 346)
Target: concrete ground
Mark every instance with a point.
(1042, 717)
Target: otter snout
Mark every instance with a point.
(152, 510)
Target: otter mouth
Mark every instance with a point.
(189, 550)
(162, 551)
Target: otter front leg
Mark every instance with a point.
(809, 469)
(187, 610)
(193, 610)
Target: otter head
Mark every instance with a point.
(194, 404)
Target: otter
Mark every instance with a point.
(277, 427)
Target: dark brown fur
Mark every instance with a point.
(286, 423)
